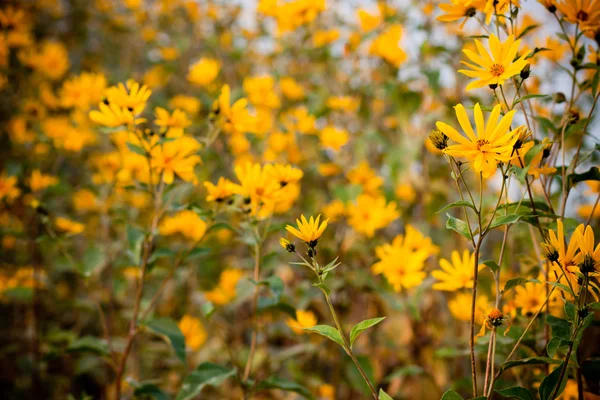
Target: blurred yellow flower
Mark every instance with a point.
(324, 37)
(304, 319)
(39, 181)
(370, 213)
(387, 46)
(8, 187)
(173, 123)
(333, 138)
(456, 274)
(291, 88)
(401, 263)
(176, 157)
(186, 223)
(219, 192)
(192, 331)
(460, 307)
(366, 177)
(204, 71)
(366, 21)
(334, 210)
(189, 104)
(68, 226)
(225, 291)
(343, 103)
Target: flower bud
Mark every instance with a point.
(286, 244)
(438, 139)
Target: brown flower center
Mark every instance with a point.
(582, 16)
(481, 143)
(497, 69)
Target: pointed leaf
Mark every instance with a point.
(516, 392)
(362, 326)
(274, 382)
(170, 332)
(328, 331)
(459, 226)
(384, 396)
(460, 203)
(451, 395)
(207, 374)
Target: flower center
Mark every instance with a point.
(497, 69)
(481, 143)
(582, 16)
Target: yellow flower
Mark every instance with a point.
(52, 60)
(113, 116)
(186, 222)
(132, 96)
(257, 186)
(401, 262)
(284, 174)
(585, 13)
(67, 226)
(334, 210)
(333, 138)
(329, 169)
(459, 9)
(176, 157)
(192, 331)
(225, 291)
(371, 213)
(261, 91)
(304, 319)
(493, 142)
(367, 21)
(299, 120)
(291, 88)
(203, 71)
(589, 258)
(531, 297)
(174, 123)
(494, 68)
(457, 274)
(324, 37)
(309, 231)
(85, 200)
(83, 90)
(292, 14)
(39, 181)
(343, 103)
(232, 118)
(366, 177)
(189, 104)
(386, 46)
(460, 307)
(219, 192)
(406, 192)
(8, 187)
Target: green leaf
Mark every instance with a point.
(409, 370)
(451, 395)
(504, 220)
(595, 83)
(136, 149)
(93, 258)
(384, 396)
(528, 29)
(560, 327)
(458, 226)
(207, 374)
(323, 287)
(331, 266)
(90, 344)
(328, 331)
(150, 390)
(170, 332)
(460, 203)
(512, 283)
(527, 361)
(135, 238)
(208, 309)
(198, 251)
(593, 174)
(549, 384)
(492, 265)
(570, 311)
(274, 382)
(517, 392)
(363, 326)
(554, 344)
